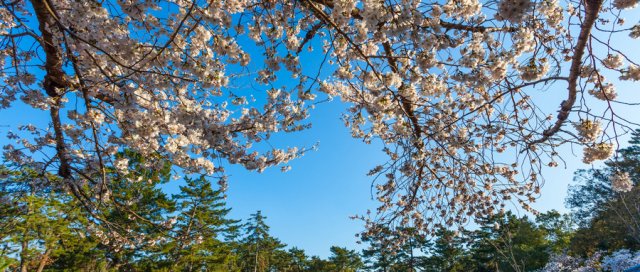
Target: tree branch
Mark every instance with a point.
(592, 7)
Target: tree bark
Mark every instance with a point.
(43, 260)
(24, 264)
(592, 8)
(55, 81)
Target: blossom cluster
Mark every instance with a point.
(635, 32)
(613, 61)
(617, 261)
(588, 130)
(632, 73)
(564, 262)
(625, 4)
(158, 78)
(513, 10)
(621, 260)
(597, 152)
(621, 182)
(144, 95)
(604, 92)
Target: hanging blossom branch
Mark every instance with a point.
(447, 89)
(148, 84)
(592, 8)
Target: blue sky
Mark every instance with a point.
(309, 206)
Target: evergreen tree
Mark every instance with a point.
(483, 249)
(282, 260)
(379, 257)
(558, 228)
(299, 260)
(447, 253)
(590, 194)
(344, 260)
(608, 220)
(340, 260)
(319, 265)
(509, 243)
(135, 212)
(258, 249)
(201, 226)
(40, 224)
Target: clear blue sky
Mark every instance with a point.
(309, 206)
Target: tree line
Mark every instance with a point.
(146, 229)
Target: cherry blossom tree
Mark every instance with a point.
(617, 261)
(143, 76)
(448, 87)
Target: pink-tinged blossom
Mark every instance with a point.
(605, 92)
(597, 152)
(513, 10)
(635, 32)
(621, 182)
(625, 4)
(613, 61)
(632, 73)
(588, 130)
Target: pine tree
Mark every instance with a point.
(136, 212)
(258, 247)
(508, 243)
(447, 253)
(608, 220)
(40, 224)
(344, 260)
(299, 260)
(202, 224)
(379, 257)
(558, 228)
(319, 265)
